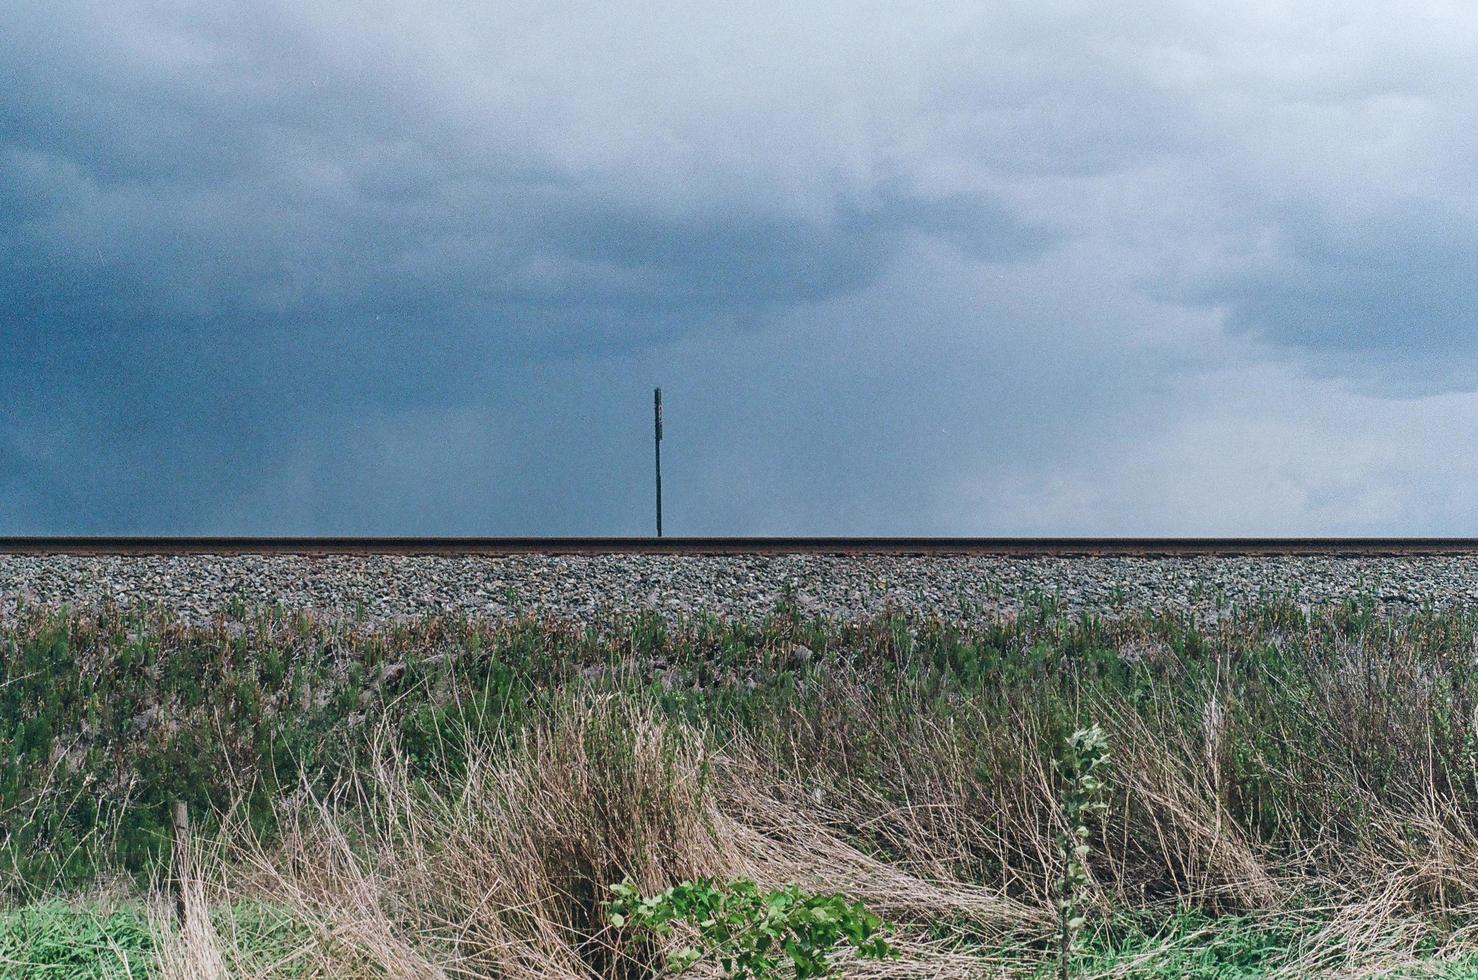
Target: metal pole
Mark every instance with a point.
(657, 416)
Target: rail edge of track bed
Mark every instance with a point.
(1065, 547)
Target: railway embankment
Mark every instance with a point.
(378, 588)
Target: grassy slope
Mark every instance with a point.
(1289, 793)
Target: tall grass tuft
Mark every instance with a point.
(452, 798)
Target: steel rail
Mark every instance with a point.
(1001, 546)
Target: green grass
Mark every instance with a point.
(1267, 768)
(80, 940)
(67, 941)
(75, 942)
(1192, 946)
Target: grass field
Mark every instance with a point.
(1289, 792)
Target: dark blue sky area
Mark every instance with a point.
(935, 268)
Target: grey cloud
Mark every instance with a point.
(195, 166)
(253, 255)
(1389, 298)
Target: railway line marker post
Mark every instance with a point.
(657, 421)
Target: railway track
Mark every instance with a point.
(1001, 546)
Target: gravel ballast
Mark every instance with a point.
(378, 588)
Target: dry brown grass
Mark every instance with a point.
(1326, 790)
(190, 950)
(504, 878)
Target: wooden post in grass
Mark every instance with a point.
(181, 821)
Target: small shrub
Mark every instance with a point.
(750, 933)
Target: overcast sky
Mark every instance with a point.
(365, 267)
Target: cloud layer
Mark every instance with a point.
(935, 268)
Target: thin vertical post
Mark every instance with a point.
(180, 819)
(657, 419)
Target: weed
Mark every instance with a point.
(752, 935)
(1083, 755)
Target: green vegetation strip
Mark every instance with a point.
(1289, 788)
(55, 939)
(62, 941)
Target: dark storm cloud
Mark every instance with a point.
(226, 237)
(393, 268)
(96, 253)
